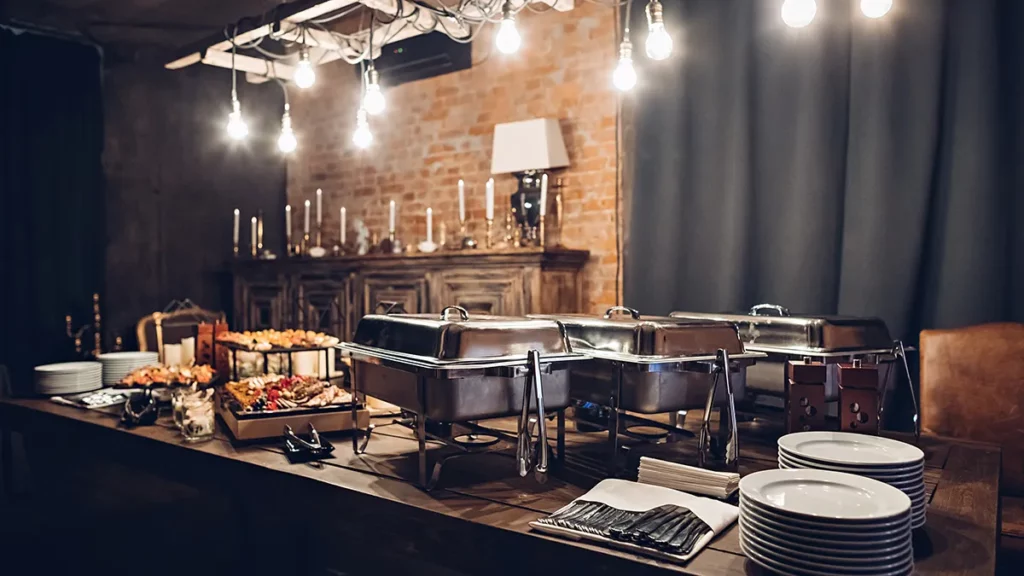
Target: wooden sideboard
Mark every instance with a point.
(332, 294)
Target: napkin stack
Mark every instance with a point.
(687, 478)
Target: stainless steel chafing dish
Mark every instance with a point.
(771, 329)
(650, 364)
(453, 368)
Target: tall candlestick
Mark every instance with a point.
(253, 237)
(462, 201)
(305, 224)
(344, 213)
(430, 226)
(543, 194)
(489, 199)
(259, 230)
(319, 207)
(288, 229)
(234, 233)
(391, 218)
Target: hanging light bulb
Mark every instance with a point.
(875, 8)
(798, 13)
(508, 39)
(237, 129)
(659, 43)
(624, 76)
(373, 100)
(362, 137)
(286, 142)
(305, 76)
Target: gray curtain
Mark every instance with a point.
(854, 166)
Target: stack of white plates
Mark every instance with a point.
(891, 461)
(823, 523)
(68, 378)
(117, 365)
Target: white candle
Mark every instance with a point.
(391, 217)
(234, 232)
(343, 223)
(305, 224)
(319, 207)
(253, 230)
(543, 194)
(430, 226)
(288, 222)
(489, 199)
(462, 201)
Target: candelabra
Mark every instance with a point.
(96, 327)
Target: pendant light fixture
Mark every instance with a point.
(624, 77)
(659, 43)
(237, 128)
(373, 98)
(507, 39)
(875, 8)
(286, 142)
(798, 13)
(362, 137)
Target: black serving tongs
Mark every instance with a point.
(299, 450)
(524, 451)
(723, 451)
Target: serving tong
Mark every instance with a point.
(524, 452)
(300, 450)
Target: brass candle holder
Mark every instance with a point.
(489, 242)
(319, 234)
(304, 247)
(558, 210)
(541, 233)
(259, 232)
(508, 227)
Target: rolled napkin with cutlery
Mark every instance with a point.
(687, 478)
(641, 518)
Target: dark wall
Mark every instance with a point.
(173, 179)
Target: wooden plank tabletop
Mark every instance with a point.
(481, 509)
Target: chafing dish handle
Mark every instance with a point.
(756, 310)
(542, 465)
(625, 309)
(523, 458)
(463, 313)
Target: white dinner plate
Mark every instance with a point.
(127, 356)
(888, 528)
(815, 562)
(781, 567)
(871, 559)
(825, 495)
(910, 470)
(847, 448)
(817, 544)
(69, 367)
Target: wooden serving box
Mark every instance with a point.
(261, 425)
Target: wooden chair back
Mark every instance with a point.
(159, 328)
(972, 387)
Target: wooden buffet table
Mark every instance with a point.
(476, 522)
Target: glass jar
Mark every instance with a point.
(194, 413)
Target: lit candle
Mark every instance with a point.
(391, 217)
(489, 199)
(305, 224)
(319, 207)
(343, 213)
(462, 201)
(288, 221)
(543, 194)
(254, 231)
(234, 232)
(430, 226)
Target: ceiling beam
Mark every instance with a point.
(257, 66)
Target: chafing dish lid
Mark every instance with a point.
(624, 331)
(772, 328)
(456, 335)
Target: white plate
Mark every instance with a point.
(912, 485)
(845, 546)
(69, 367)
(806, 562)
(825, 495)
(885, 528)
(913, 469)
(846, 448)
(870, 559)
(787, 570)
(127, 356)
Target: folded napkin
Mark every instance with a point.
(641, 518)
(687, 478)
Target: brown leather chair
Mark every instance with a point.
(972, 387)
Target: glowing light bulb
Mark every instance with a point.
(373, 100)
(237, 129)
(305, 76)
(508, 39)
(875, 8)
(624, 76)
(798, 13)
(659, 43)
(286, 142)
(362, 137)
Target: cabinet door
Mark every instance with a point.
(408, 291)
(323, 305)
(487, 291)
(262, 304)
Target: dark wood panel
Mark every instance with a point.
(408, 290)
(498, 292)
(324, 305)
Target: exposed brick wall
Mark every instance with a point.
(440, 129)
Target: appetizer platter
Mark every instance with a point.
(160, 375)
(289, 352)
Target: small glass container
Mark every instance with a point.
(194, 413)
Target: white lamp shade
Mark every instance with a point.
(528, 145)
